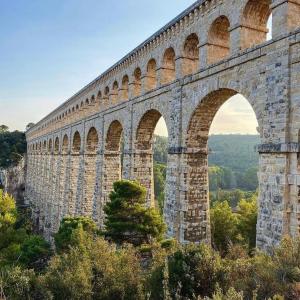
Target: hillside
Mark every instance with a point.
(232, 160)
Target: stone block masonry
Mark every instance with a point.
(184, 73)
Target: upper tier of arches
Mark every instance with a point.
(177, 54)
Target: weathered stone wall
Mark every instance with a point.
(183, 73)
(13, 181)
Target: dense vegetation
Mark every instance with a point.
(12, 146)
(86, 265)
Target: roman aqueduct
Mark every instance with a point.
(183, 73)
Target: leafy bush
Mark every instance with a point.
(8, 211)
(95, 270)
(34, 251)
(64, 238)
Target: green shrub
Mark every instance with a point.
(34, 252)
(128, 218)
(65, 238)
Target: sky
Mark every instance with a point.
(50, 49)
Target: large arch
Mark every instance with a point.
(74, 172)
(112, 171)
(254, 28)
(90, 162)
(218, 40)
(143, 156)
(64, 176)
(196, 216)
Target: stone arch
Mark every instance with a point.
(76, 144)
(151, 76)
(45, 146)
(190, 62)
(125, 88)
(92, 140)
(218, 40)
(87, 101)
(75, 160)
(50, 146)
(113, 137)
(143, 158)
(254, 22)
(168, 66)
(65, 144)
(115, 92)
(90, 162)
(99, 96)
(56, 145)
(112, 158)
(196, 216)
(106, 93)
(92, 99)
(137, 84)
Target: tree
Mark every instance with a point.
(3, 128)
(128, 218)
(29, 125)
(12, 147)
(34, 252)
(159, 184)
(223, 225)
(247, 219)
(65, 237)
(8, 211)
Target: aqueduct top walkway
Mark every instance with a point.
(184, 72)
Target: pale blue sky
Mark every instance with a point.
(49, 49)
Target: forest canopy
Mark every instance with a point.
(12, 146)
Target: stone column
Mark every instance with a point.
(90, 159)
(174, 190)
(285, 15)
(143, 172)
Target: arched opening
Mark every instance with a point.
(92, 140)
(112, 157)
(56, 146)
(256, 23)
(168, 66)
(150, 126)
(98, 100)
(218, 40)
(63, 177)
(125, 88)
(190, 63)
(137, 85)
(65, 144)
(90, 162)
(74, 174)
(106, 95)
(76, 145)
(50, 146)
(224, 152)
(151, 79)
(114, 93)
